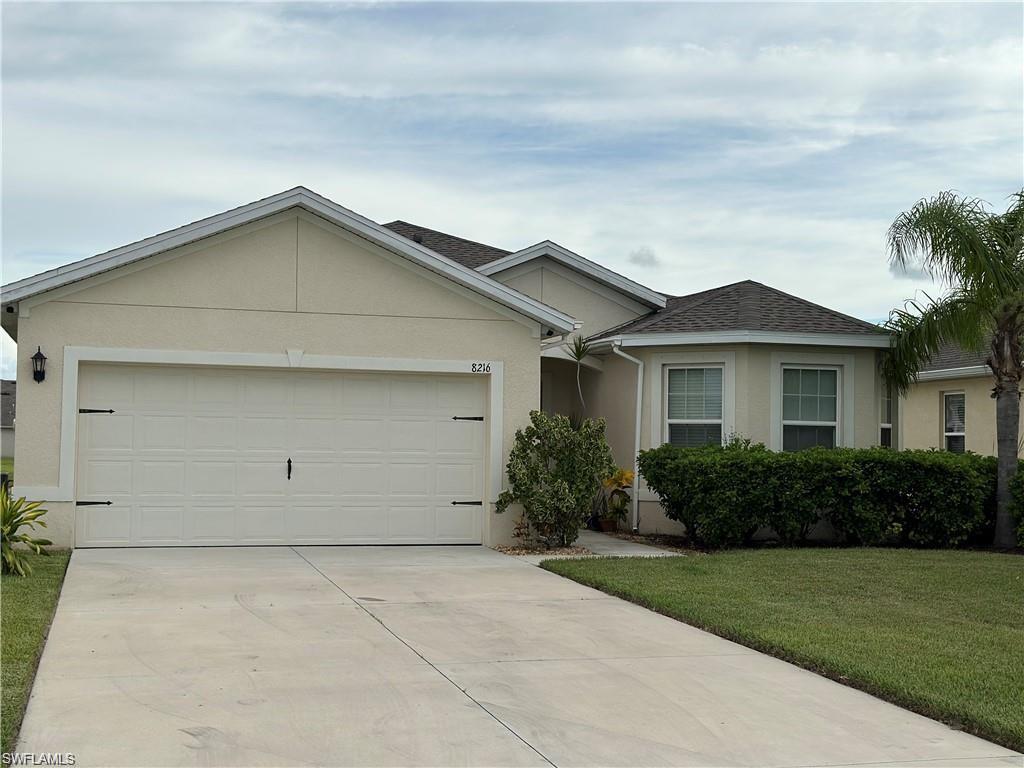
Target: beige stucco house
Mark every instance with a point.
(951, 407)
(292, 372)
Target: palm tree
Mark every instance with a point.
(578, 350)
(978, 257)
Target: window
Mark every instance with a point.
(810, 408)
(694, 406)
(885, 428)
(954, 430)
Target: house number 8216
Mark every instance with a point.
(481, 368)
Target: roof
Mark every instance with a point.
(744, 306)
(303, 198)
(552, 250)
(467, 252)
(8, 394)
(954, 356)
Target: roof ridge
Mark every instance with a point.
(836, 313)
(446, 234)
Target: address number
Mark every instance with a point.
(481, 367)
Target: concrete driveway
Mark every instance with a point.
(424, 656)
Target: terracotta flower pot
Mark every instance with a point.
(607, 525)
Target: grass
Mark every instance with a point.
(936, 632)
(7, 467)
(27, 608)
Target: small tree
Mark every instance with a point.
(979, 257)
(555, 471)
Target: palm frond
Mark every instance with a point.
(954, 239)
(919, 329)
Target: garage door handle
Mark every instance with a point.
(467, 418)
(289, 469)
(467, 503)
(93, 503)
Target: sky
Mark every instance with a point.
(683, 145)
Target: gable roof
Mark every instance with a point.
(552, 250)
(8, 393)
(746, 307)
(303, 198)
(467, 252)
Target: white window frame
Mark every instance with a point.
(845, 390)
(837, 424)
(945, 434)
(886, 394)
(666, 422)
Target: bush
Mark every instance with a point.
(555, 471)
(869, 496)
(16, 514)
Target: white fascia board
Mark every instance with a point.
(875, 341)
(966, 372)
(316, 204)
(575, 261)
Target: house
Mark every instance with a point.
(950, 406)
(292, 372)
(8, 393)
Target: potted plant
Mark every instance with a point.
(614, 500)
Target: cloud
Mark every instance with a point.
(909, 272)
(772, 142)
(644, 256)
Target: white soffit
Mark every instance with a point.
(315, 204)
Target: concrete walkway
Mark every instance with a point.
(603, 545)
(424, 656)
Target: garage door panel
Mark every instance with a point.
(212, 433)
(160, 524)
(159, 478)
(111, 432)
(198, 456)
(262, 523)
(211, 524)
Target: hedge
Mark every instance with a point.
(875, 496)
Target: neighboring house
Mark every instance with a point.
(8, 393)
(290, 372)
(951, 405)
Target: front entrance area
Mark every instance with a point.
(219, 456)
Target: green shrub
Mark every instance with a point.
(869, 496)
(555, 471)
(16, 514)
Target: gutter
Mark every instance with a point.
(617, 349)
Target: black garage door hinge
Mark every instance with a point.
(467, 503)
(95, 410)
(467, 418)
(93, 503)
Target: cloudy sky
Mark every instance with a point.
(685, 146)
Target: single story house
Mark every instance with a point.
(291, 372)
(8, 394)
(950, 406)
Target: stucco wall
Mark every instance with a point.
(595, 305)
(752, 413)
(293, 282)
(922, 418)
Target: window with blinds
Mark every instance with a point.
(694, 406)
(885, 419)
(810, 408)
(954, 431)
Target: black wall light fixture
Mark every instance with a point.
(39, 365)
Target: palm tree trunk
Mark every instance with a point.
(1007, 430)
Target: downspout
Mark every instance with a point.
(617, 349)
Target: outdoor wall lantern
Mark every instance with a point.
(39, 365)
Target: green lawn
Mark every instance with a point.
(941, 633)
(26, 608)
(7, 466)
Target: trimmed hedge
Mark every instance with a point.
(874, 496)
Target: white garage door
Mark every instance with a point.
(200, 456)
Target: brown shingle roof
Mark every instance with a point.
(467, 252)
(954, 356)
(744, 306)
(8, 393)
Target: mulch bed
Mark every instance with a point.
(571, 551)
